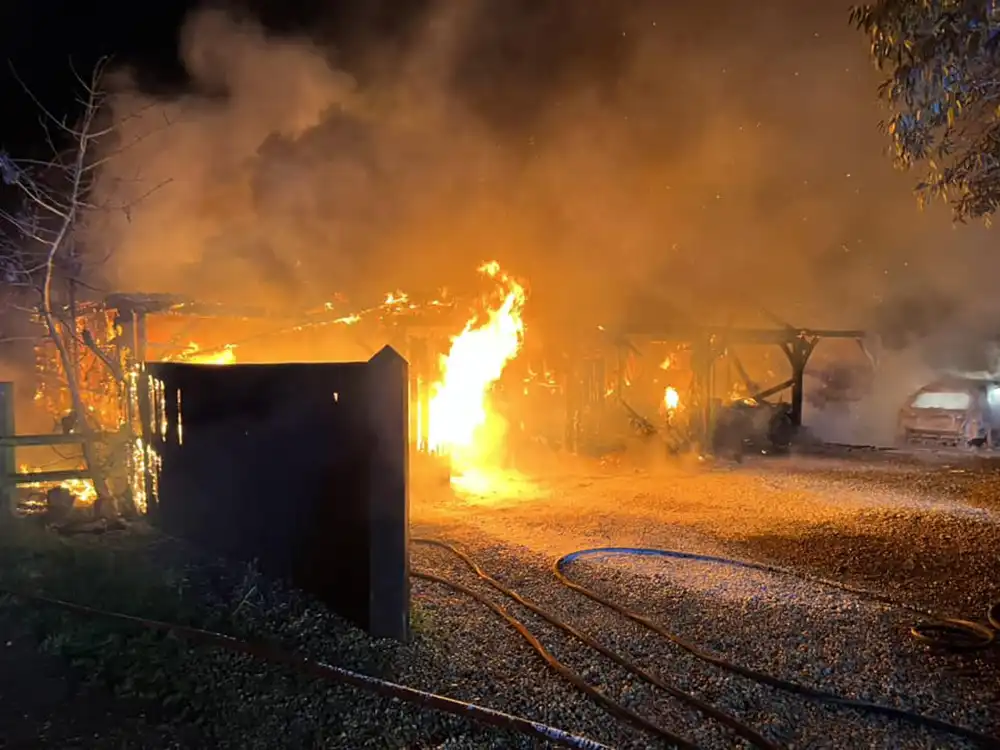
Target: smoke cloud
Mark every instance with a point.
(719, 159)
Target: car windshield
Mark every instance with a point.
(993, 394)
(951, 400)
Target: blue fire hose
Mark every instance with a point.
(945, 632)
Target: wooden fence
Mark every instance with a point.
(301, 467)
(10, 441)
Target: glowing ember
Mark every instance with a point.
(195, 356)
(460, 423)
(83, 491)
(671, 398)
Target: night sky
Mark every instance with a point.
(523, 46)
(41, 40)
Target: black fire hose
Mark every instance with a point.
(952, 632)
(470, 711)
(945, 631)
(735, 725)
(613, 707)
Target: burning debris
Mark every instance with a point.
(195, 356)
(671, 399)
(476, 395)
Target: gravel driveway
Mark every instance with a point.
(895, 528)
(922, 532)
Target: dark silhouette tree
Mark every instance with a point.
(40, 251)
(942, 83)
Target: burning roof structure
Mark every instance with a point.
(480, 380)
(458, 349)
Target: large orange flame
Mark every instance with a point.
(460, 422)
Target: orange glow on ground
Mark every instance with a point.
(485, 486)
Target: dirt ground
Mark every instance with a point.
(924, 529)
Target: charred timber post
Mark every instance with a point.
(421, 376)
(798, 352)
(145, 418)
(8, 465)
(571, 429)
(704, 353)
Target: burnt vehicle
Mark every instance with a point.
(961, 412)
(753, 426)
(839, 384)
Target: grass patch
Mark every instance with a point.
(198, 695)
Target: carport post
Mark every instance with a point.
(798, 352)
(8, 464)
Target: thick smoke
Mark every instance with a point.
(722, 159)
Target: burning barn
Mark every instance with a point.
(482, 391)
(473, 383)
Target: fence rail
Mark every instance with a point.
(31, 441)
(10, 477)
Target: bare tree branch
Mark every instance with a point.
(41, 252)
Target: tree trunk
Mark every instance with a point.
(105, 505)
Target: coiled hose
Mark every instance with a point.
(264, 652)
(946, 631)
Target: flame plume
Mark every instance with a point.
(461, 423)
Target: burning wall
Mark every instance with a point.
(95, 353)
(99, 390)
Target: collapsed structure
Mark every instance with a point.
(480, 389)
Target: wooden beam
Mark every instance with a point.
(47, 476)
(23, 441)
(736, 336)
(790, 383)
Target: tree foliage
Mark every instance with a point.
(942, 68)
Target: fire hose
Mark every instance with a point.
(961, 634)
(955, 633)
(949, 632)
(595, 694)
(316, 669)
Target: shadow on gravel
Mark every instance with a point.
(928, 561)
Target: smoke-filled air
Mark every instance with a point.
(602, 151)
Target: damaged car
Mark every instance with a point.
(952, 412)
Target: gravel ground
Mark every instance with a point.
(898, 527)
(910, 540)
